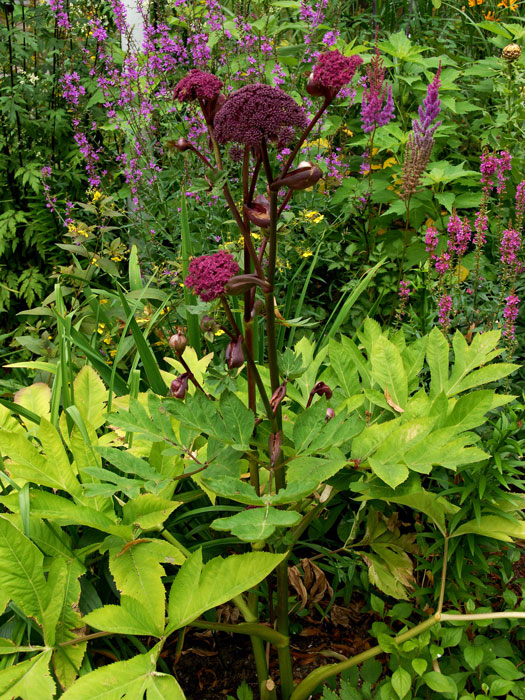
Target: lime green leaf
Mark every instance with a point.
(256, 524)
(493, 526)
(90, 396)
(36, 398)
(29, 680)
(419, 665)
(401, 681)
(388, 370)
(22, 572)
(124, 680)
(441, 684)
(130, 617)
(198, 588)
(57, 461)
(28, 463)
(147, 511)
(164, 687)
(437, 359)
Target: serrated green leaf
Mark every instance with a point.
(388, 370)
(437, 359)
(90, 396)
(29, 680)
(57, 461)
(198, 588)
(147, 511)
(493, 526)
(122, 680)
(163, 687)
(256, 524)
(130, 617)
(36, 398)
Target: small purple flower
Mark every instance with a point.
(510, 314)
(404, 290)
(445, 307)
(208, 274)
(509, 247)
(256, 112)
(46, 171)
(481, 225)
(460, 235)
(493, 165)
(431, 239)
(504, 165)
(421, 139)
(442, 263)
(373, 112)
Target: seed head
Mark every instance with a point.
(208, 274)
(197, 85)
(511, 53)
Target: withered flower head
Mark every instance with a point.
(234, 354)
(256, 112)
(259, 211)
(179, 386)
(197, 85)
(208, 274)
(332, 72)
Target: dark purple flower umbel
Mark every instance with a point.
(204, 87)
(332, 72)
(256, 112)
(208, 274)
(197, 85)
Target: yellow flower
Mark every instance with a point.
(473, 3)
(219, 331)
(306, 253)
(116, 258)
(510, 4)
(314, 216)
(490, 16)
(113, 352)
(100, 328)
(103, 301)
(96, 196)
(347, 131)
(107, 340)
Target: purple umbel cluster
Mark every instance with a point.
(373, 112)
(421, 139)
(208, 274)
(256, 112)
(333, 70)
(197, 85)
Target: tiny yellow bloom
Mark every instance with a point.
(107, 340)
(219, 331)
(100, 328)
(103, 301)
(306, 253)
(96, 196)
(113, 352)
(116, 258)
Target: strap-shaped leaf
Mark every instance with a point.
(198, 588)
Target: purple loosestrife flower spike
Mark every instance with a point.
(520, 205)
(445, 307)
(459, 235)
(208, 274)
(431, 239)
(510, 246)
(373, 113)
(256, 112)
(510, 314)
(421, 139)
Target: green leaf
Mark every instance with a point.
(473, 655)
(388, 370)
(28, 463)
(57, 461)
(238, 418)
(419, 665)
(135, 280)
(441, 683)
(437, 359)
(29, 680)
(401, 681)
(493, 526)
(22, 571)
(130, 617)
(501, 687)
(164, 687)
(484, 375)
(391, 474)
(256, 524)
(344, 366)
(35, 398)
(506, 669)
(123, 680)
(198, 588)
(90, 396)
(147, 511)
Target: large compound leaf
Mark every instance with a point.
(22, 571)
(198, 588)
(29, 680)
(388, 370)
(130, 617)
(437, 359)
(124, 680)
(90, 396)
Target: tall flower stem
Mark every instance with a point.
(304, 135)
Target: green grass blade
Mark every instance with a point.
(299, 307)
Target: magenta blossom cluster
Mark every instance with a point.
(208, 274)
(373, 112)
(404, 289)
(442, 263)
(510, 247)
(59, 7)
(333, 70)
(431, 239)
(445, 307)
(493, 168)
(256, 112)
(459, 235)
(481, 225)
(510, 314)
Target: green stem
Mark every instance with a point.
(285, 659)
(169, 538)
(443, 577)
(253, 629)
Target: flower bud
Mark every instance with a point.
(274, 447)
(259, 212)
(305, 175)
(234, 353)
(179, 386)
(314, 87)
(277, 396)
(178, 342)
(182, 144)
(319, 389)
(330, 413)
(511, 53)
(243, 283)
